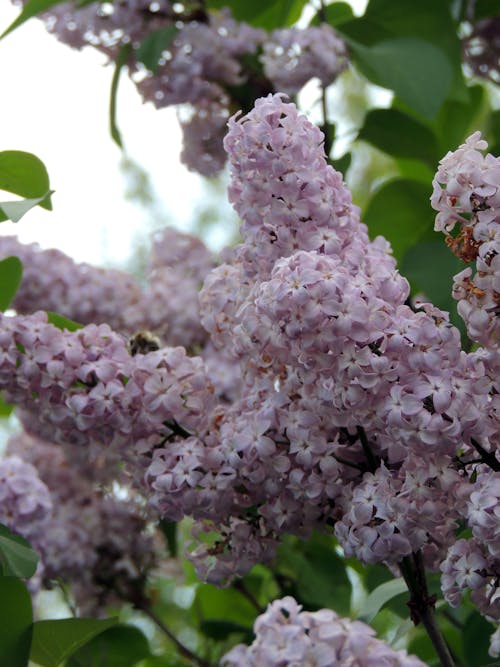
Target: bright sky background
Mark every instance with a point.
(55, 105)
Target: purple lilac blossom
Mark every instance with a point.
(467, 193)
(167, 304)
(286, 636)
(95, 543)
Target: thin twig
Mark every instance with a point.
(421, 605)
(241, 588)
(183, 650)
(487, 457)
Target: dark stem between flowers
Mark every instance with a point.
(421, 605)
(371, 459)
(183, 650)
(487, 457)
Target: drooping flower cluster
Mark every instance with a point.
(206, 58)
(52, 281)
(339, 375)
(95, 543)
(286, 636)
(467, 193)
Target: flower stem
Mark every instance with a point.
(183, 650)
(421, 605)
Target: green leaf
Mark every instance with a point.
(457, 120)
(220, 630)
(400, 211)
(153, 45)
(211, 601)
(263, 13)
(399, 135)
(55, 641)
(493, 133)
(25, 175)
(342, 164)
(169, 530)
(5, 408)
(319, 574)
(121, 61)
(11, 273)
(31, 8)
(15, 210)
(15, 622)
(476, 639)
(335, 14)
(403, 64)
(62, 322)
(425, 20)
(430, 267)
(382, 594)
(17, 558)
(119, 646)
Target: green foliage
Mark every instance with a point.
(11, 273)
(152, 46)
(334, 14)
(314, 573)
(403, 25)
(17, 558)
(15, 622)
(25, 175)
(400, 135)
(62, 322)
(55, 641)
(380, 596)
(119, 646)
(31, 8)
(400, 211)
(476, 639)
(262, 13)
(5, 408)
(169, 530)
(121, 61)
(402, 64)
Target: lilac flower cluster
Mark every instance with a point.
(207, 57)
(342, 383)
(87, 294)
(85, 388)
(286, 636)
(52, 281)
(291, 57)
(25, 501)
(467, 193)
(96, 544)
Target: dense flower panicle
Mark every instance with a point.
(53, 281)
(469, 567)
(97, 544)
(282, 188)
(467, 193)
(390, 515)
(291, 57)
(327, 344)
(185, 253)
(287, 636)
(25, 501)
(90, 391)
(84, 293)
